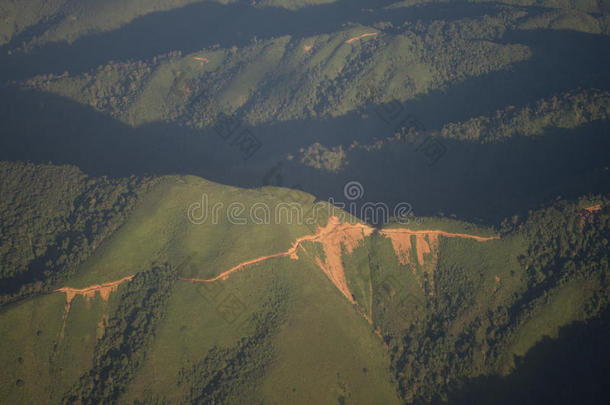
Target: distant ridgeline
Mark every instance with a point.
(568, 110)
(44, 21)
(52, 218)
(288, 77)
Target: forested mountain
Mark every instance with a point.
(54, 217)
(440, 303)
(307, 201)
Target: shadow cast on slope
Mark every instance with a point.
(561, 61)
(572, 369)
(201, 25)
(483, 183)
(480, 182)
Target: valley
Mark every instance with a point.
(306, 202)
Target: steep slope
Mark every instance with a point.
(52, 218)
(41, 22)
(114, 294)
(483, 306)
(290, 77)
(336, 311)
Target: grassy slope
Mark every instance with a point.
(160, 230)
(326, 350)
(193, 323)
(321, 344)
(53, 357)
(564, 305)
(320, 351)
(278, 79)
(478, 293)
(53, 218)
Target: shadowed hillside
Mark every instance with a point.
(570, 369)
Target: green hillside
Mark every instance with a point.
(55, 217)
(293, 77)
(281, 328)
(304, 202)
(61, 20)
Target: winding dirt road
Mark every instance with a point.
(336, 237)
(333, 227)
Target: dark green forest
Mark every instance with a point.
(122, 348)
(565, 246)
(53, 217)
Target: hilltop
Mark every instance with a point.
(214, 293)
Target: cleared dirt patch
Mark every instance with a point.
(333, 233)
(104, 290)
(401, 240)
(395, 231)
(344, 236)
(426, 248)
(336, 237)
(426, 242)
(89, 293)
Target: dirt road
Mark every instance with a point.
(368, 34)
